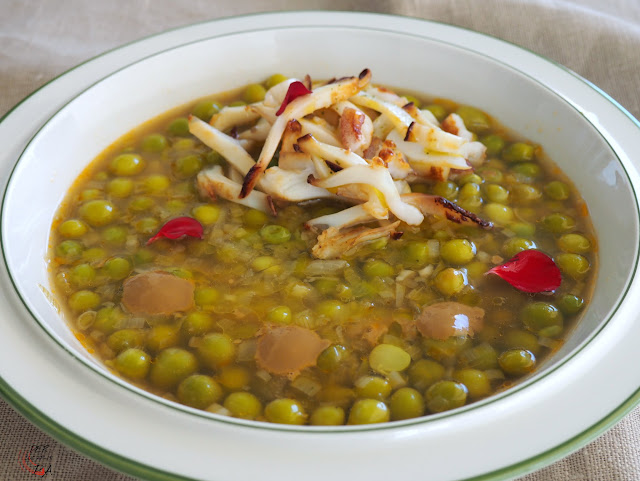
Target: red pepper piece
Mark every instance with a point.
(530, 271)
(296, 89)
(179, 227)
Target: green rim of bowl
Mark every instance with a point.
(135, 468)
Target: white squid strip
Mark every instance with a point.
(321, 130)
(424, 117)
(332, 243)
(291, 185)
(258, 132)
(454, 124)
(349, 217)
(400, 119)
(337, 155)
(420, 159)
(230, 148)
(441, 207)
(382, 125)
(215, 184)
(378, 177)
(233, 116)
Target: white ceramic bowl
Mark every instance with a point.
(569, 401)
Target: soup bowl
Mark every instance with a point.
(569, 400)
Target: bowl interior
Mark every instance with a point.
(115, 105)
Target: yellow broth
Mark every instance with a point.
(250, 277)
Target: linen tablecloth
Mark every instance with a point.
(40, 39)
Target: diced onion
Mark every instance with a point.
(216, 408)
(85, 320)
(325, 267)
(396, 380)
(247, 350)
(306, 385)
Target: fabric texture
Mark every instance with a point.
(598, 40)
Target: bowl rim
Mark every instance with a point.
(120, 462)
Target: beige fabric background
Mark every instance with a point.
(600, 40)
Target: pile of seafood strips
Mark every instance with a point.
(345, 139)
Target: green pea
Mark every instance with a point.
(516, 244)
(332, 309)
(161, 337)
(141, 204)
(206, 296)
(133, 363)
(483, 356)
(374, 387)
(490, 174)
(214, 158)
(412, 99)
(125, 339)
(143, 256)
(326, 286)
(444, 350)
(558, 223)
(497, 193)
(557, 190)
(196, 324)
(332, 357)
(263, 263)
(187, 166)
(519, 152)
(472, 204)
(98, 212)
(450, 281)
(199, 391)
(115, 235)
(120, 187)
(445, 395)
(517, 362)
(147, 225)
(216, 350)
(179, 127)
(369, 411)
(523, 229)
(109, 319)
(446, 189)
(206, 214)
(83, 301)
(474, 119)
(255, 218)
(498, 213)
(470, 189)
(424, 372)
(438, 111)
(90, 194)
(327, 416)
(570, 304)
(175, 205)
(127, 165)
(182, 145)
(172, 366)
(542, 318)
(280, 315)
(156, 184)
(494, 144)
(574, 243)
(519, 339)
(234, 378)
(274, 80)
(117, 268)
(275, 234)
(574, 265)
(154, 143)
(476, 382)
(528, 170)
(386, 358)
(72, 228)
(237, 103)
(285, 411)
(377, 268)
(420, 188)
(243, 405)
(418, 254)
(458, 251)
(69, 250)
(254, 93)
(83, 275)
(476, 269)
(206, 109)
(406, 403)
